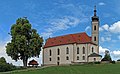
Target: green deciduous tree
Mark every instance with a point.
(25, 43)
(2, 60)
(107, 56)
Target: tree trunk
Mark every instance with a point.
(25, 61)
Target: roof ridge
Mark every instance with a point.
(68, 34)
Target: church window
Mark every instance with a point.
(94, 59)
(92, 49)
(94, 27)
(50, 52)
(77, 57)
(83, 50)
(67, 58)
(77, 50)
(49, 59)
(58, 51)
(58, 58)
(67, 50)
(95, 38)
(83, 57)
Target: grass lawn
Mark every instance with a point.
(76, 69)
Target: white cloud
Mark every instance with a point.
(116, 53)
(102, 50)
(60, 24)
(115, 28)
(103, 39)
(65, 22)
(110, 32)
(46, 34)
(101, 4)
(104, 27)
(101, 29)
(87, 28)
(108, 38)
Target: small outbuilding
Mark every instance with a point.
(94, 57)
(33, 63)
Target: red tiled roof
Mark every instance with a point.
(78, 38)
(33, 62)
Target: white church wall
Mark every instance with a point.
(80, 55)
(94, 59)
(92, 49)
(62, 55)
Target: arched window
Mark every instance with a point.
(77, 50)
(77, 57)
(92, 49)
(83, 50)
(58, 51)
(67, 50)
(58, 58)
(94, 59)
(94, 38)
(49, 59)
(67, 58)
(83, 57)
(50, 52)
(94, 27)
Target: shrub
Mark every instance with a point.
(5, 66)
(90, 62)
(97, 62)
(113, 62)
(107, 56)
(118, 60)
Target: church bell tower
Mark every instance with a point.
(95, 28)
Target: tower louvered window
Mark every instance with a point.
(95, 38)
(94, 27)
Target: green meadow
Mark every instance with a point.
(75, 69)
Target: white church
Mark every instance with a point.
(73, 48)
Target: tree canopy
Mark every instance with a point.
(2, 60)
(25, 42)
(107, 56)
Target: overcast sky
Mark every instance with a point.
(59, 17)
